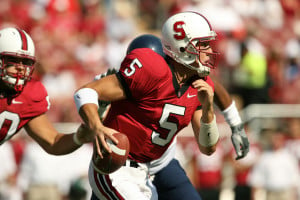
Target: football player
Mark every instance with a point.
(152, 100)
(170, 180)
(24, 101)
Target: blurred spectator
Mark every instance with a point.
(208, 172)
(276, 173)
(149, 12)
(93, 20)
(44, 176)
(63, 17)
(293, 142)
(292, 50)
(251, 77)
(242, 168)
(8, 172)
(121, 29)
(276, 74)
(290, 8)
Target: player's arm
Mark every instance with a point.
(228, 108)
(53, 142)
(204, 121)
(86, 99)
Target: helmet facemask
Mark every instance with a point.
(16, 81)
(195, 48)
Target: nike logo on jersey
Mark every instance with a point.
(190, 96)
(16, 102)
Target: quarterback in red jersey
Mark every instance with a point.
(152, 99)
(170, 180)
(24, 101)
(161, 107)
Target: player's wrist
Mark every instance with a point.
(85, 96)
(209, 133)
(236, 128)
(231, 115)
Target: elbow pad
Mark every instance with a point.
(209, 133)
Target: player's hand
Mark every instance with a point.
(104, 132)
(240, 141)
(100, 140)
(84, 134)
(205, 92)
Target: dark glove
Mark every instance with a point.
(240, 141)
(108, 72)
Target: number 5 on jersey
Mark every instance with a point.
(131, 70)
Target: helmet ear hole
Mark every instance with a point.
(182, 49)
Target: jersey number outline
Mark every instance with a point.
(164, 123)
(10, 128)
(132, 68)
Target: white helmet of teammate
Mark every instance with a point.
(181, 35)
(16, 48)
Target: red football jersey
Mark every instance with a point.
(156, 108)
(16, 112)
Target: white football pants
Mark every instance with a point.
(128, 183)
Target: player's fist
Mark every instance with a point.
(205, 92)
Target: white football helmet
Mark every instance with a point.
(16, 48)
(181, 33)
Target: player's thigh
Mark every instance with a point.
(172, 183)
(128, 183)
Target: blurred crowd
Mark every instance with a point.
(270, 171)
(78, 39)
(75, 40)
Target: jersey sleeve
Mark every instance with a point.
(140, 72)
(37, 99)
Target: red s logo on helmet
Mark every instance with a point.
(179, 30)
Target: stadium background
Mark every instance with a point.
(77, 39)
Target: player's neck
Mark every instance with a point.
(182, 73)
(179, 77)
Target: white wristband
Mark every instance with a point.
(209, 133)
(85, 96)
(76, 140)
(231, 115)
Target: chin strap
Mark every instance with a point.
(14, 83)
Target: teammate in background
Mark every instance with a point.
(24, 101)
(171, 181)
(152, 100)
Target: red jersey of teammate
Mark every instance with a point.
(16, 112)
(156, 108)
